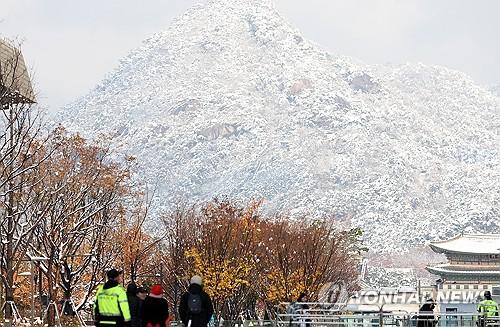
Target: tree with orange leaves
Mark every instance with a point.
(303, 256)
(138, 250)
(219, 241)
(180, 224)
(21, 140)
(81, 195)
(244, 256)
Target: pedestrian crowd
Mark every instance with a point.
(136, 307)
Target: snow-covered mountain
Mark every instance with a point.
(495, 89)
(231, 100)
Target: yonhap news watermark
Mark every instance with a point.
(451, 296)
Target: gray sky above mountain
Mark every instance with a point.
(73, 44)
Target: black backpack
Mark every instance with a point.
(194, 304)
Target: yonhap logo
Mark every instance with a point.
(374, 297)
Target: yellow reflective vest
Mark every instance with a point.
(111, 305)
(488, 308)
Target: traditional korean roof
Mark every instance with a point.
(447, 269)
(469, 243)
(15, 83)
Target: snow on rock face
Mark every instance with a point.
(378, 277)
(495, 90)
(233, 101)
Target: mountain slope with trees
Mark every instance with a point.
(231, 100)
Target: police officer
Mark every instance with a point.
(111, 306)
(488, 309)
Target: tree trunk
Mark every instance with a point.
(67, 307)
(9, 256)
(51, 313)
(9, 264)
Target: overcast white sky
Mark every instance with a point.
(72, 44)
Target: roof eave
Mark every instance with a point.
(441, 271)
(438, 249)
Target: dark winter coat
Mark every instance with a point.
(199, 320)
(134, 304)
(297, 308)
(426, 316)
(154, 311)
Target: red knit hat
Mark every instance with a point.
(156, 290)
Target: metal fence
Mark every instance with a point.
(387, 319)
(351, 320)
(330, 316)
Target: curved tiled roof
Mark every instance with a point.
(464, 270)
(469, 243)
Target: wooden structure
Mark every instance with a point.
(15, 83)
(473, 261)
(473, 267)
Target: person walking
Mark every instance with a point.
(196, 308)
(426, 316)
(134, 303)
(154, 311)
(141, 293)
(488, 309)
(297, 311)
(111, 305)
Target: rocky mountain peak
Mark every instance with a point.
(232, 100)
